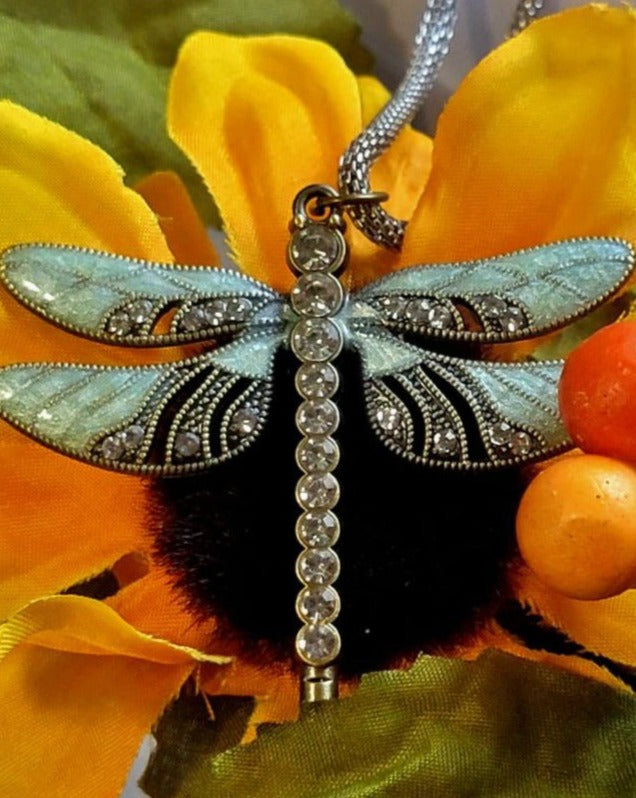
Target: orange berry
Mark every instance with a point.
(597, 393)
(576, 526)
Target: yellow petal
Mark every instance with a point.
(73, 723)
(80, 688)
(261, 117)
(60, 188)
(154, 606)
(185, 233)
(85, 626)
(62, 521)
(538, 143)
(606, 627)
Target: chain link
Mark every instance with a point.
(527, 11)
(431, 46)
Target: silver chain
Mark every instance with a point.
(527, 11)
(431, 46)
(432, 43)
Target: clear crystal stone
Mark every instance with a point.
(317, 380)
(441, 318)
(513, 320)
(238, 309)
(187, 444)
(214, 312)
(393, 308)
(133, 436)
(318, 491)
(492, 305)
(500, 435)
(113, 447)
(505, 437)
(389, 418)
(417, 310)
(318, 605)
(244, 421)
(318, 644)
(140, 310)
(446, 443)
(317, 529)
(318, 566)
(316, 339)
(317, 455)
(316, 295)
(521, 443)
(315, 247)
(317, 417)
(120, 323)
(195, 318)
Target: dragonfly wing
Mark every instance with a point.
(459, 414)
(165, 419)
(134, 302)
(506, 298)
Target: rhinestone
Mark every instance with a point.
(316, 248)
(492, 305)
(316, 295)
(318, 566)
(521, 443)
(317, 417)
(318, 644)
(512, 321)
(238, 309)
(500, 435)
(113, 447)
(133, 436)
(446, 443)
(389, 418)
(417, 310)
(140, 310)
(187, 444)
(195, 318)
(316, 339)
(317, 454)
(317, 380)
(440, 318)
(120, 323)
(317, 529)
(214, 312)
(318, 605)
(393, 308)
(244, 422)
(318, 491)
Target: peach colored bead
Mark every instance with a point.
(576, 526)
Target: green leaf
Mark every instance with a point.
(101, 69)
(500, 727)
(186, 735)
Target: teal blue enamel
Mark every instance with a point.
(524, 393)
(554, 282)
(78, 287)
(67, 406)
(250, 355)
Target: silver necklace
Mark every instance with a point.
(178, 418)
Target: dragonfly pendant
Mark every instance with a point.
(176, 418)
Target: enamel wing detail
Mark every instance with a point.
(433, 408)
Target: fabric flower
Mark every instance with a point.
(537, 144)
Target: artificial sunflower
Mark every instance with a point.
(517, 160)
